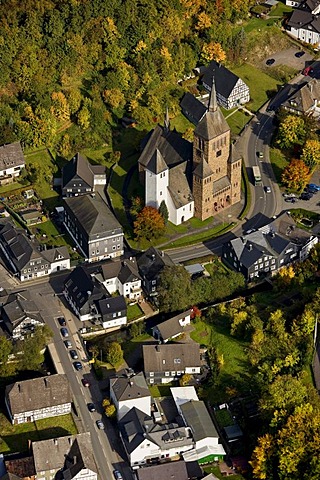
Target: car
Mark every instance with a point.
(260, 154)
(117, 475)
(68, 344)
(267, 189)
(288, 195)
(314, 186)
(311, 190)
(77, 365)
(307, 71)
(270, 61)
(306, 196)
(73, 354)
(91, 408)
(100, 424)
(247, 232)
(64, 332)
(85, 382)
(290, 200)
(62, 321)
(299, 54)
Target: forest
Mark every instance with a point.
(72, 68)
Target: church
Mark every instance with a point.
(198, 179)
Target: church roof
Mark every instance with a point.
(156, 163)
(212, 125)
(179, 187)
(203, 170)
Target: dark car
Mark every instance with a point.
(290, 200)
(68, 344)
(85, 382)
(64, 332)
(117, 475)
(300, 54)
(270, 61)
(73, 354)
(91, 407)
(100, 424)
(306, 196)
(77, 365)
(62, 321)
(310, 189)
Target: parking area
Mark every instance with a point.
(292, 57)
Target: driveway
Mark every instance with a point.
(288, 57)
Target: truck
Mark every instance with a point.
(256, 175)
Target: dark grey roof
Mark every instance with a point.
(173, 357)
(78, 167)
(212, 125)
(157, 164)
(304, 97)
(38, 393)
(11, 155)
(197, 417)
(129, 271)
(132, 427)
(18, 309)
(300, 19)
(172, 327)
(93, 214)
(247, 252)
(192, 108)
(169, 470)
(70, 454)
(83, 288)
(179, 187)
(110, 305)
(225, 80)
(152, 262)
(55, 254)
(127, 387)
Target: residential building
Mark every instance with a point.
(147, 442)
(93, 227)
(12, 161)
(123, 277)
(20, 316)
(183, 395)
(231, 90)
(304, 22)
(304, 99)
(113, 311)
(21, 468)
(26, 258)
(207, 448)
(69, 457)
(168, 362)
(150, 265)
(178, 470)
(38, 398)
(79, 177)
(173, 327)
(128, 391)
(263, 252)
(192, 108)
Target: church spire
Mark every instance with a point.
(167, 121)
(212, 107)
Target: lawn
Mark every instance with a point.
(161, 390)
(15, 438)
(278, 162)
(180, 123)
(236, 121)
(99, 156)
(133, 312)
(11, 187)
(216, 266)
(261, 85)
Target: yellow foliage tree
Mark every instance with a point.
(114, 97)
(262, 456)
(204, 21)
(106, 402)
(60, 108)
(213, 51)
(184, 380)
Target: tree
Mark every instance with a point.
(106, 402)
(311, 153)
(83, 118)
(163, 210)
(114, 353)
(6, 368)
(213, 51)
(291, 132)
(296, 175)
(185, 380)
(64, 147)
(110, 411)
(174, 291)
(60, 108)
(149, 224)
(32, 347)
(136, 206)
(136, 329)
(114, 98)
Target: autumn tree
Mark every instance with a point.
(114, 353)
(136, 206)
(110, 411)
(296, 175)
(185, 380)
(311, 153)
(60, 108)
(149, 224)
(213, 51)
(292, 131)
(174, 291)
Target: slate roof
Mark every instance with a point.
(83, 288)
(128, 387)
(220, 184)
(303, 19)
(305, 97)
(71, 453)
(172, 327)
(213, 123)
(172, 470)
(157, 164)
(129, 271)
(78, 167)
(107, 306)
(55, 254)
(197, 417)
(18, 309)
(152, 262)
(192, 108)
(38, 393)
(11, 155)
(173, 357)
(93, 214)
(179, 188)
(225, 80)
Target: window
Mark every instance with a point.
(218, 154)
(166, 374)
(151, 374)
(177, 360)
(154, 282)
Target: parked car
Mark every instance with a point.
(68, 344)
(270, 61)
(306, 196)
(62, 321)
(260, 154)
(314, 186)
(267, 189)
(288, 195)
(100, 424)
(247, 232)
(64, 332)
(73, 354)
(85, 382)
(91, 408)
(300, 54)
(117, 475)
(290, 200)
(77, 365)
(311, 190)
(307, 71)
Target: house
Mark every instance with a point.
(150, 265)
(207, 448)
(93, 227)
(192, 108)
(89, 299)
(312, 6)
(128, 391)
(31, 217)
(69, 457)
(183, 395)
(19, 468)
(25, 257)
(304, 99)
(20, 316)
(304, 22)
(172, 328)
(178, 470)
(263, 252)
(231, 90)
(147, 442)
(12, 161)
(123, 277)
(168, 362)
(79, 177)
(38, 398)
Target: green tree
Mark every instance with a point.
(311, 153)
(114, 353)
(163, 210)
(174, 291)
(32, 347)
(291, 132)
(6, 368)
(136, 329)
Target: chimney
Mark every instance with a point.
(74, 459)
(46, 382)
(250, 247)
(131, 383)
(162, 253)
(55, 441)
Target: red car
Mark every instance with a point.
(307, 71)
(85, 383)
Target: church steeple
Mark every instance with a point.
(212, 107)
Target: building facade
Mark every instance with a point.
(12, 161)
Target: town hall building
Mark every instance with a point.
(198, 180)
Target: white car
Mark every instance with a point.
(267, 189)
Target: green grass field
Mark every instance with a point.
(278, 162)
(133, 312)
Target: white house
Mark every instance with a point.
(312, 6)
(123, 277)
(128, 391)
(173, 327)
(12, 161)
